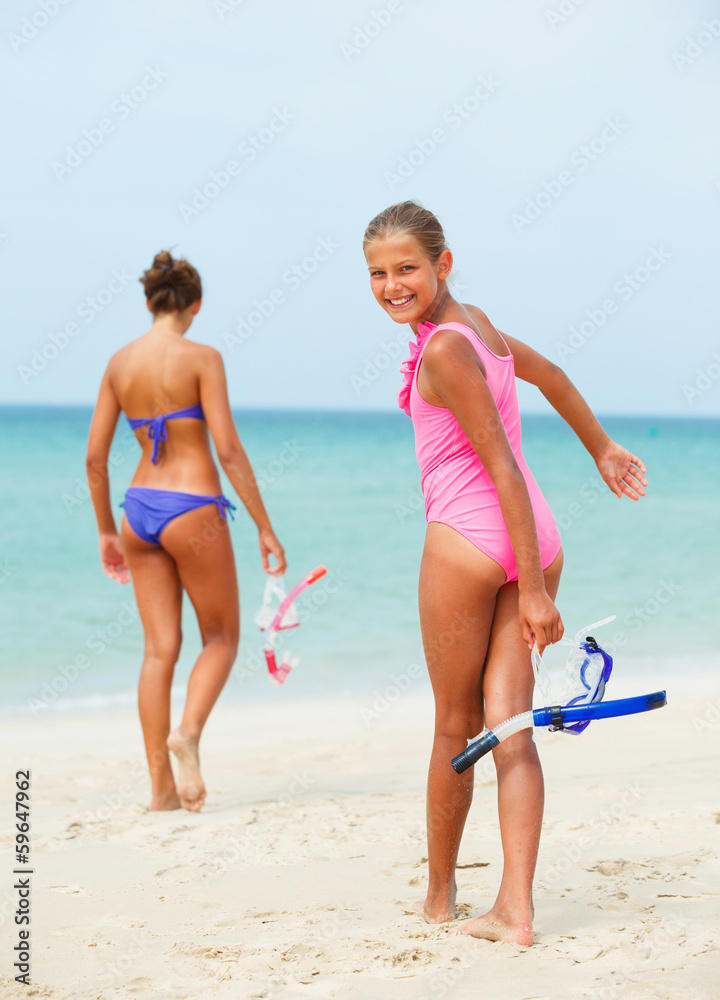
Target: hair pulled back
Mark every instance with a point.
(170, 284)
(408, 218)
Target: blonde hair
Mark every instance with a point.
(408, 218)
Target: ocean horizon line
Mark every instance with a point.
(374, 411)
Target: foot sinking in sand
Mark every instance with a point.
(497, 926)
(190, 786)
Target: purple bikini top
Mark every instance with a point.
(157, 431)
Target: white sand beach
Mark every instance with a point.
(298, 878)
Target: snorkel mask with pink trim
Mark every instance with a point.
(272, 619)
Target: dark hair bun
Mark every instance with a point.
(171, 285)
(163, 260)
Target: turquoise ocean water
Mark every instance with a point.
(343, 489)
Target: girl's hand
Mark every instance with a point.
(622, 471)
(113, 558)
(269, 545)
(539, 619)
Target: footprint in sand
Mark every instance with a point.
(632, 869)
(179, 874)
(143, 985)
(618, 902)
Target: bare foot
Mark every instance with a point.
(494, 926)
(439, 911)
(190, 786)
(163, 803)
(437, 917)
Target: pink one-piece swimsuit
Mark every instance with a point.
(457, 489)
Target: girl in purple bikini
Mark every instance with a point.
(174, 535)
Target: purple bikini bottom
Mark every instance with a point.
(150, 511)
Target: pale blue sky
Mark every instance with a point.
(168, 92)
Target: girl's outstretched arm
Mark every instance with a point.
(102, 430)
(623, 472)
(233, 458)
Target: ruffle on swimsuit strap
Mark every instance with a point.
(407, 368)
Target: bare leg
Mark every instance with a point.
(507, 690)
(458, 587)
(206, 567)
(159, 597)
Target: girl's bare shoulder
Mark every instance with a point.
(120, 359)
(480, 318)
(148, 345)
(489, 332)
(194, 349)
(148, 361)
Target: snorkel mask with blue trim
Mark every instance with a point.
(587, 671)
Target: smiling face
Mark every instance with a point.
(405, 282)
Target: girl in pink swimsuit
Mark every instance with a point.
(492, 558)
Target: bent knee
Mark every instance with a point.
(500, 710)
(163, 652)
(228, 639)
(518, 748)
(456, 724)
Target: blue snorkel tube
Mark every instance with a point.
(587, 672)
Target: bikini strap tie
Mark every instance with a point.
(222, 503)
(157, 432)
